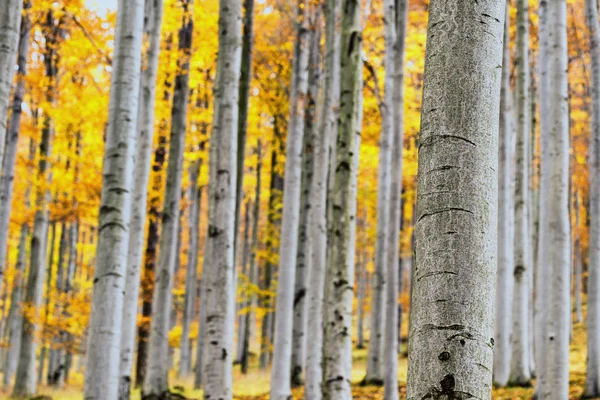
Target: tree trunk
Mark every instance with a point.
(452, 321)
(592, 382)
(340, 288)
(303, 260)
(578, 264)
(185, 357)
(504, 276)
(398, 37)
(520, 373)
(220, 306)
(318, 221)
(557, 331)
(145, 134)
(282, 346)
(25, 383)
(244, 283)
(156, 378)
(9, 155)
(253, 261)
(10, 21)
(542, 275)
(104, 337)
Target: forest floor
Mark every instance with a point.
(255, 385)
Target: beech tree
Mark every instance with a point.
(219, 304)
(456, 243)
(103, 349)
(340, 285)
(145, 134)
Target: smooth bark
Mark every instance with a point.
(452, 322)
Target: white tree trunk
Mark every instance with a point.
(145, 134)
(557, 331)
(542, 275)
(106, 318)
(592, 383)
(504, 276)
(520, 373)
(395, 215)
(157, 373)
(340, 285)
(318, 222)
(282, 348)
(452, 322)
(219, 304)
(185, 356)
(10, 24)
(578, 267)
(8, 156)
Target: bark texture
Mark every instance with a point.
(282, 346)
(505, 276)
(104, 337)
(145, 134)
(220, 306)
(452, 322)
(318, 223)
(520, 373)
(340, 285)
(557, 331)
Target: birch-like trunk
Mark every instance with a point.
(542, 274)
(392, 327)
(220, 306)
(185, 356)
(520, 373)
(303, 259)
(10, 24)
(26, 378)
(282, 346)
(452, 322)
(318, 222)
(245, 253)
(252, 275)
(145, 134)
(340, 286)
(592, 382)
(375, 356)
(504, 276)
(106, 318)
(9, 155)
(156, 378)
(557, 331)
(578, 267)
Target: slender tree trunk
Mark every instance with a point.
(504, 276)
(25, 383)
(592, 382)
(578, 264)
(253, 263)
(220, 306)
(375, 357)
(185, 356)
(156, 378)
(46, 349)
(399, 11)
(542, 275)
(246, 282)
(145, 134)
(199, 376)
(10, 21)
(318, 221)
(303, 258)
(520, 373)
(557, 331)
(9, 155)
(340, 288)
(104, 337)
(452, 322)
(282, 347)
(361, 276)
